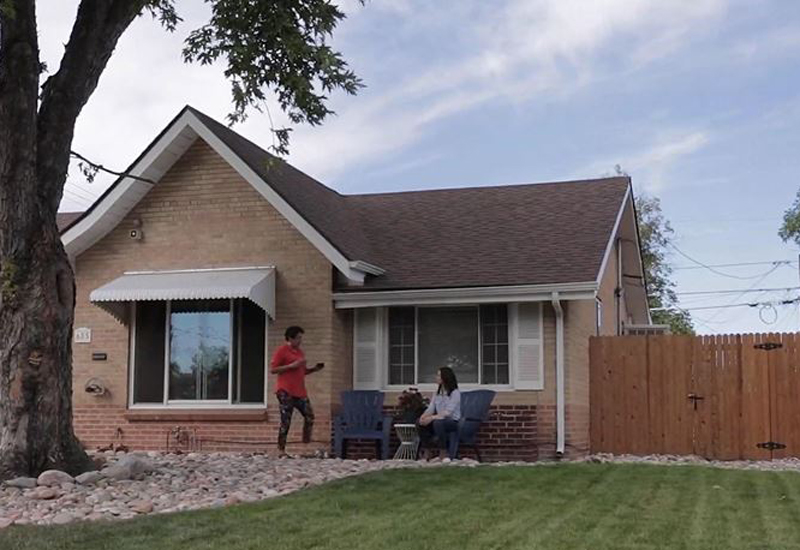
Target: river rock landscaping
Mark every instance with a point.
(135, 484)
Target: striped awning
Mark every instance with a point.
(257, 284)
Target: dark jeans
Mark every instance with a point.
(287, 405)
(441, 433)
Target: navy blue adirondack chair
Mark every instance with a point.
(362, 418)
(474, 411)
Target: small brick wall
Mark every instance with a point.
(509, 434)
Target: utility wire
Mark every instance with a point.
(735, 290)
(77, 191)
(773, 262)
(722, 273)
(743, 304)
(753, 285)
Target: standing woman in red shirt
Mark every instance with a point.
(289, 363)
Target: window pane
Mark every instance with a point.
(448, 337)
(200, 341)
(502, 374)
(489, 374)
(502, 354)
(494, 327)
(148, 355)
(401, 345)
(250, 388)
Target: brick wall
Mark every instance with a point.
(202, 214)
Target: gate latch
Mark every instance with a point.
(770, 445)
(768, 346)
(695, 398)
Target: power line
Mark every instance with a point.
(773, 262)
(78, 191)
(77, 198)
(735, 290)
(743, 304)
(722, 273)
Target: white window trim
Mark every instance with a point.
(217, 404)
(384, 354)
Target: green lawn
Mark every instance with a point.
(575, 506)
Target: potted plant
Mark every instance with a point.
(410, 406)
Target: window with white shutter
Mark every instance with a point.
(526, 345)
(366, 368)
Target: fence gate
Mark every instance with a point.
(723, 397)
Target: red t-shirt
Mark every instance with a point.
(292, 381)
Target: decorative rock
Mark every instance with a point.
(43, 493)
(174, 482)
(138, 465)
(54, 477)
(89, 478)
(141, 506)
(62, 518)
(22, 482)
(116, 472)
(6, 522)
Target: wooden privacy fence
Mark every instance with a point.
(723, 397)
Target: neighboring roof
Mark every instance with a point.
(65, 219)
(548, 233)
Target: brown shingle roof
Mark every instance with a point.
(488, 236)
(483, 236)
(545, 233)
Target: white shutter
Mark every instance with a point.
(366, 340)
(526, 345)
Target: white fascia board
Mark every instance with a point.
(284, 208)
(472, 295)
(367, 267)
(127, 192)
(612, 238)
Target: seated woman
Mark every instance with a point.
(441, 417)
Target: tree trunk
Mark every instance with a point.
(36, 281)
(37, 285)
(38, 296)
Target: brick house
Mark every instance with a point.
(189, 269)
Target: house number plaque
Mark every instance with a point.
(83, 335)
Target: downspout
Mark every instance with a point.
(560, 393)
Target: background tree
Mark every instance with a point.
(655, 233)
(266, 45)
(790, 229)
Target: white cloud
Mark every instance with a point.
(448, 59)
(650, 167)
(526, 49)
(780, 41)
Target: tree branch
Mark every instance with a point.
(98, 26)
(99, 167)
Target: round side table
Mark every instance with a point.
(409, 441)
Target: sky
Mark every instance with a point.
(697, 100)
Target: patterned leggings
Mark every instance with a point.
(288, 404)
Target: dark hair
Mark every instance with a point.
(293, 331)
(449, 382)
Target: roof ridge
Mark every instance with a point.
(209, 119)
(614, 179)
